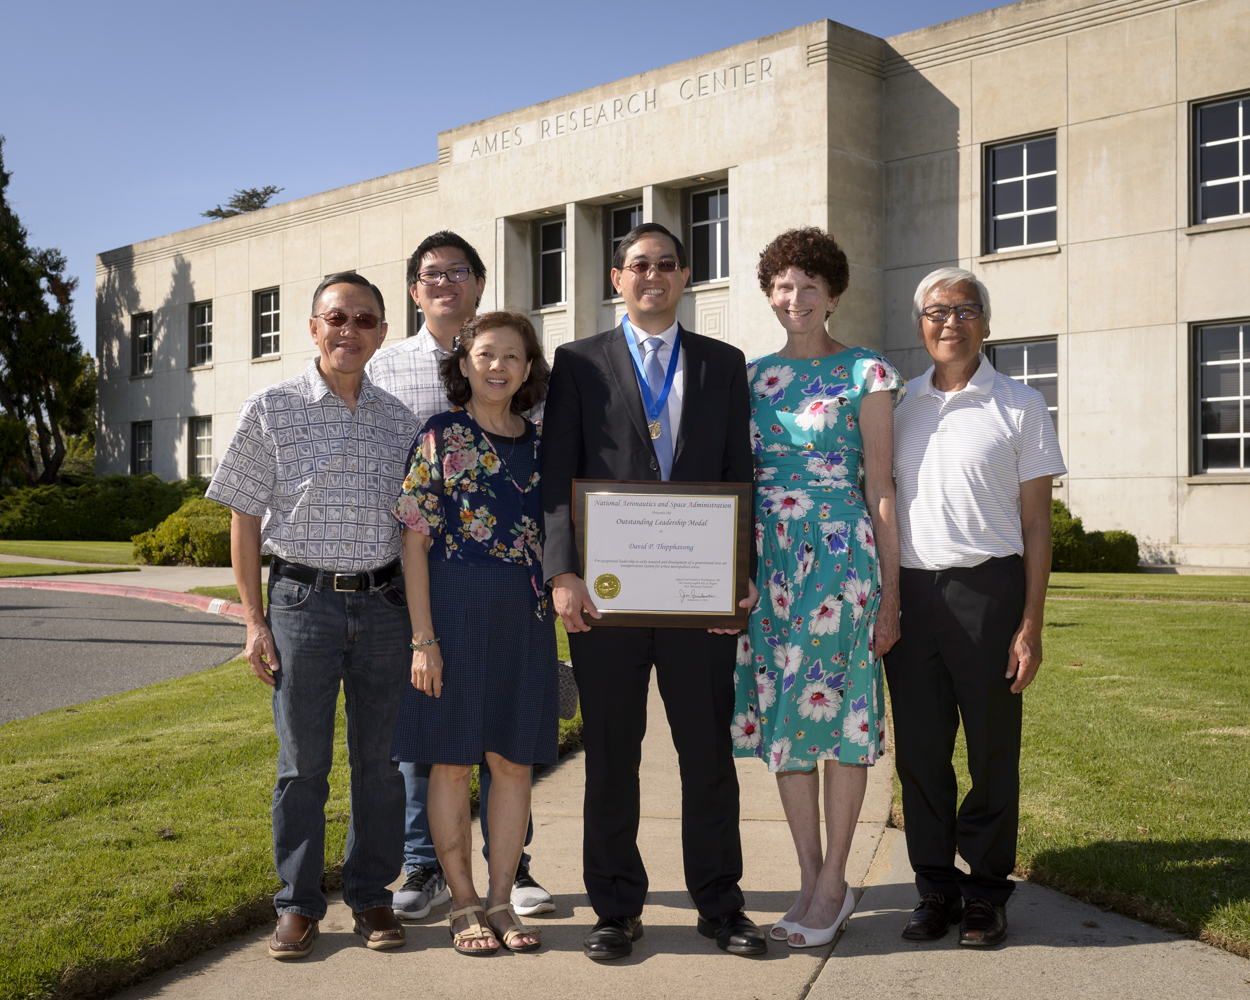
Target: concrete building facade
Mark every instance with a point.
(1088, 159)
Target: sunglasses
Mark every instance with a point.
(641, 267)
(337, 319)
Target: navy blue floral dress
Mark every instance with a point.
(478, 497)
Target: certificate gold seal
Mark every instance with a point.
(607, 586)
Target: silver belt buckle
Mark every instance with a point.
(344, 576)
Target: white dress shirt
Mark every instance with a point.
(666, 355)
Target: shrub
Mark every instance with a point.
(198, 532)
(1113, 552)
(1069, 546)
(1076, 551)
(87, 509)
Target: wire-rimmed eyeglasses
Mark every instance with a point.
(965, 312)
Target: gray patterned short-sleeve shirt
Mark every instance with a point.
(322, 480)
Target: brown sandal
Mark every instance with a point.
(473, 932)
(515, 930)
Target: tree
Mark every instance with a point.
(47, 381)
(243, 201)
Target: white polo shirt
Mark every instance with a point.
(959, 460)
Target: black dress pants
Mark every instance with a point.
(694, 670)
(950, 663)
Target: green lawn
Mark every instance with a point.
(9, 569)
(1135, 785)
(135, 832)
(1150, 586)
(118, 553)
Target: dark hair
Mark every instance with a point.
(812, 251)
(637, 233)
(532, 391)
(349, 278)
(444, 238)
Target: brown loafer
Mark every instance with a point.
(379, 927)
(984, 924)
(933, 916)
(293, 937)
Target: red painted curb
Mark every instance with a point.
(212, 605)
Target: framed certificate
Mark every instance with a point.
(664, 554)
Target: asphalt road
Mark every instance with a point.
(59, 648)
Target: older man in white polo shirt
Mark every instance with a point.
(974, 457)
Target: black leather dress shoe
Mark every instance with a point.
(983, 924)
(933, 916)
(735, 933)
(612, 937)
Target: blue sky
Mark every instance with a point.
(125, 121)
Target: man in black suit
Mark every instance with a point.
(694, 427)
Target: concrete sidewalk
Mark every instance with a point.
(1058, 948)
(179, 578)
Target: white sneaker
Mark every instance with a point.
(424, 889)
(528, 897)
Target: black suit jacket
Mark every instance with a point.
(595, 427)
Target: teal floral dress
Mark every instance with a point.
(808, 686)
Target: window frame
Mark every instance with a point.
(1195, 159)
(135, 427)
(137, 356)
(1196, 365)
(194, 425)
(540, 254)
(988, 183)
(257, 322)
(610, 240)
(194, 327)
(1028, 378)
(691, 225)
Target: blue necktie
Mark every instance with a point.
(655, 373)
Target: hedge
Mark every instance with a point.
(87, 509)
(1074, 550)
(197, 533)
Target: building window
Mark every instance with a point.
(202, 334)
(142, 344)
(201, 446)
(709, 235)
(1223, 392)
(620, 220)
(1035, 363)
(416, 318)
(1022, 181)
(1223, 154)
(551, 255)
(141, 448)
(268, 323)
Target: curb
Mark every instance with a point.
(211, 605)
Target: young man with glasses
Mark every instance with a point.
(310, 476)
(695, 429)
(446, 278)
(974, 457)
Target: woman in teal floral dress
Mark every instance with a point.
(809, 685)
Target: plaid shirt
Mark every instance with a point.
(323, 480)
(409, 372)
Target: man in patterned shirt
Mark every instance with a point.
(310, 476)
(446, 278)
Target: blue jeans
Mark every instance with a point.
(357, 639)
(418, 844)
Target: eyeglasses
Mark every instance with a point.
(337, 318)
(641, 267)
(456, 274)
(965, 312)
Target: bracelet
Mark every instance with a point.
(418, 645)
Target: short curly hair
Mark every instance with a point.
(811, 250)
(533, 390)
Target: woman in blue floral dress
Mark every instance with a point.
(809, 685)
(484, 684)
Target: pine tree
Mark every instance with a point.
(243, 201)
(47, 381)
